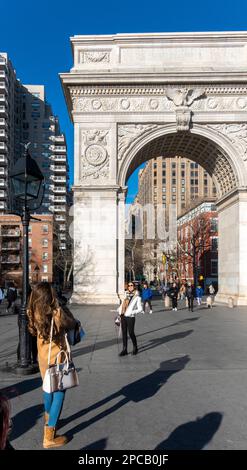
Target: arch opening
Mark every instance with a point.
(197, 148)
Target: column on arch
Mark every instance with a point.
(95, 243)
(233, 248)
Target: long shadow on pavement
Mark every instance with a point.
(193, 435)
(137, 391)
(20, 388)
(111, 342)
(26, 420)
(97, 445)
(154, 343)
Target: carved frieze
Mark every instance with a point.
(237, 133)
(94, 155)
(157, 99)
(121, 105)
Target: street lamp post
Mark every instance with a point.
(27, 182)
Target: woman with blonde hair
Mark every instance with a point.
(43, 311)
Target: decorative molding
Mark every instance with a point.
(237, 133)
(150, 90)
(127, 134)
(94, 157)
(95, 56)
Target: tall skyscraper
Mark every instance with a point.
(9, 126)
(174, 180)
(25, 116)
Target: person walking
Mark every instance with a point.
(211, 291)
(199, 294)
(43, 311)
(1, 295)
(182, 292)
(11, 296)
(130, 306)
(147, 297)
(173, 293)
(189, 292)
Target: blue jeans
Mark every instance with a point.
(53, 403)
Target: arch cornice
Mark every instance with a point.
(221, 141)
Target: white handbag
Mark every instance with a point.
(60, 376)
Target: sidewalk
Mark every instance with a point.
(186, 389)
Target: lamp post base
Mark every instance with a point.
(16, 369)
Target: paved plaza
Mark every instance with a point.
(186, 389)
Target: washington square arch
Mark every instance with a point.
(133, 97)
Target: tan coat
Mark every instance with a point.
(63, 319)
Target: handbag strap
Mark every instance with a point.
(51, 334)
(67, 345)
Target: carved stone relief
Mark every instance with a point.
(94, 155)
(95, 56)
(128, 133)
(237, 133)
(182, 99)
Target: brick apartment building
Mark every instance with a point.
(42, 247)
(206, 241)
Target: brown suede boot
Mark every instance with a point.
(51, 440)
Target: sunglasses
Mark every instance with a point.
(130, 285)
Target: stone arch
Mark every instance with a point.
(206, 146)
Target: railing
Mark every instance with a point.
(10, 233)
(10, 246)
(10, 260)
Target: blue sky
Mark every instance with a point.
(36, 35)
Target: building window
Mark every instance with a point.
(30, 241)
(163, 181)
(182, 197)
(173, 165)
(214, 225)
(45, 242)
(182, 174)
(174, 174)
(182, 182)
(174, 198)
(45, 256)
(214, 267)
(173, 180)
(155, 173)
(163, 173)
(173, 190)
(163, 197)
(214, 244)
(192, 182)
(44, 279)
(155, 165)
(182, 190)
(45, 268)
(30, 229)
(45, 228)
(163, 164)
